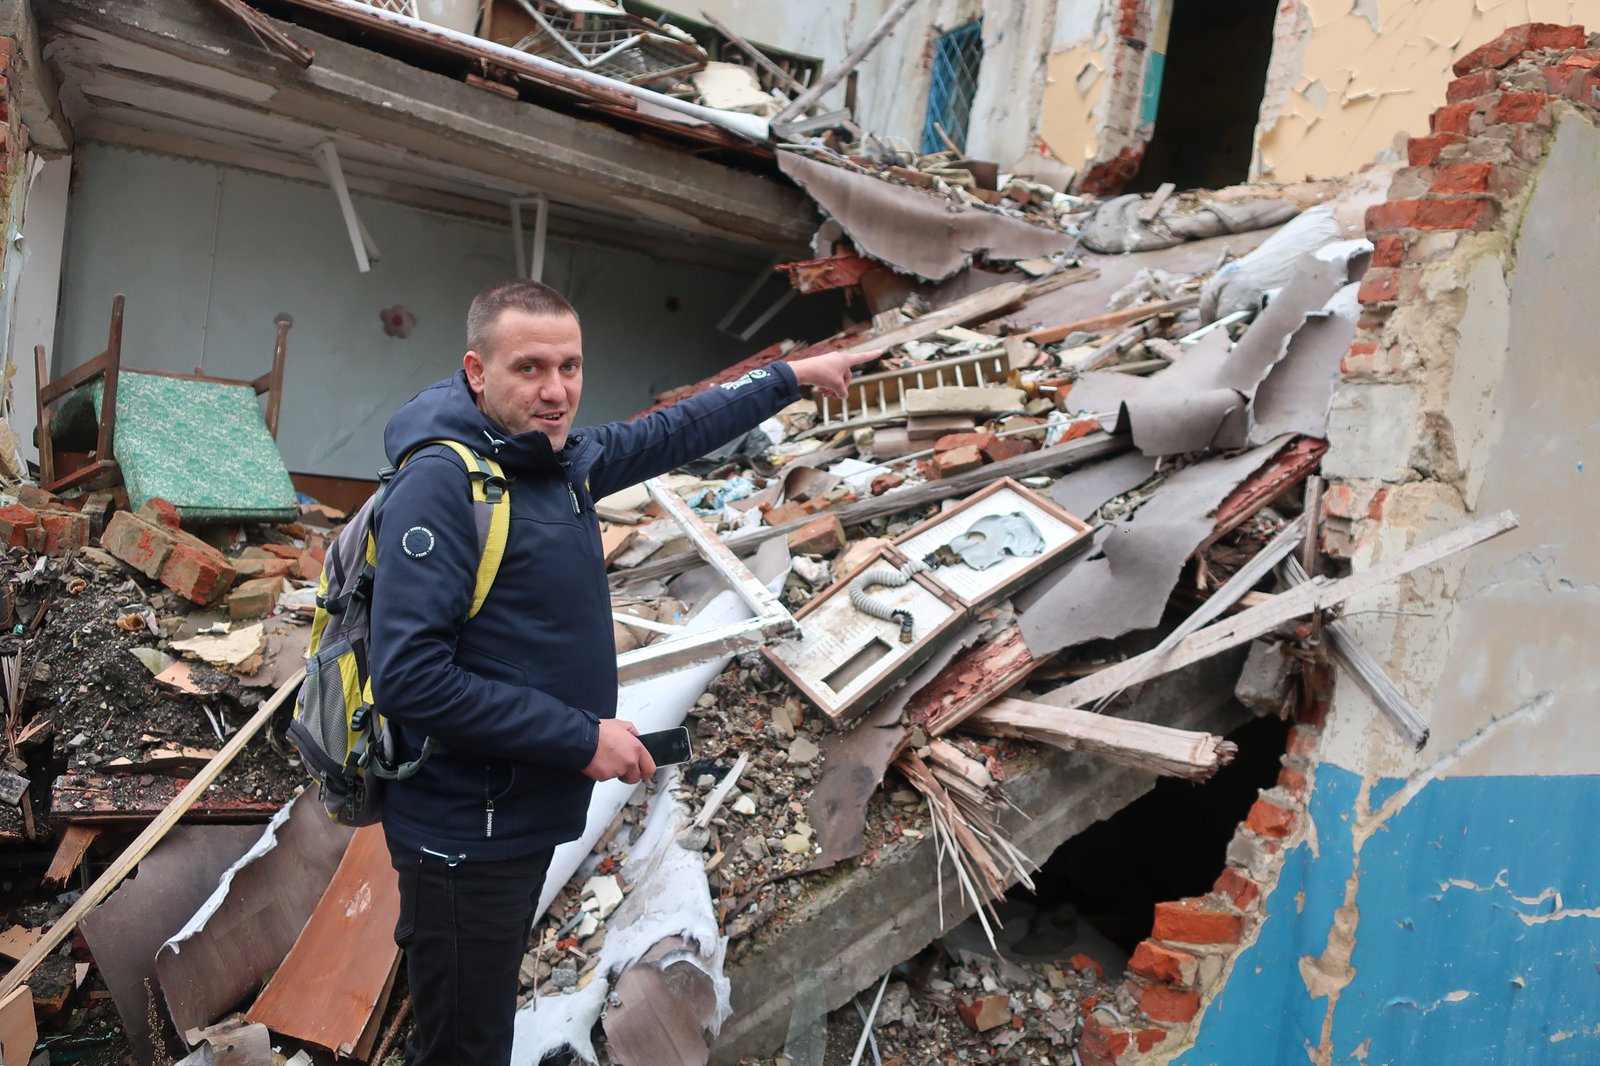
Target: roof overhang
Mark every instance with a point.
(181, 76)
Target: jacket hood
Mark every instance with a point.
(445, 410)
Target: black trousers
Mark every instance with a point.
(464, 928)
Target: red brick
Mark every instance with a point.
(1359, 357)
(1517, 40)
(1100, 1044)
(1161, 963)
(309, 567)
(1462, 177)
(258, 567)
(1576, 83)
(1237, 887)
(64, 531)
(254, 598)
(1391, 215)
(1586, 60)
(957, 461)
(785, 513)
(35, 497)
(1471, 86)
(951, 441)
(15, 521)
(199, 576)
(1292, 781)
(1518, 107)
(1145, 1039)
(1453, 118)
(282, 551)
(1007, 447)
(1162, 1004)
(884, 482)
(1194, 921)
(1081, 962)
(1303, 739)
(1455, 213)
(1270, 820)
(823, 535)
(985, 1012)
(142, 545)
(1379, 285)
(160, 512)
(1388, 251)
(1424, 151)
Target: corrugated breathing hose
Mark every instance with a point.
(890, 577)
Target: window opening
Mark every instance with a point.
(953, 84)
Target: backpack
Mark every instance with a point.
(342, 738)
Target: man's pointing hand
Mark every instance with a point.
(831, 373)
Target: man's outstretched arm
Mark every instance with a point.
(675, 435)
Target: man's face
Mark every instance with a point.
(532, 374)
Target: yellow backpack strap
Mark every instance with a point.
(491, 504)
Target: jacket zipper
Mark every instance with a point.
(573, 496)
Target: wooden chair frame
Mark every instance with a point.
(103, 470)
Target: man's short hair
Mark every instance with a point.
(520, 294)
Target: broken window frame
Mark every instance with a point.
(772, 619)
(952, 86)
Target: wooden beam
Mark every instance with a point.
(1285, 607)
(1350, 656)
(1113, 320)
(1071, 453)
(1157, 748)
(1233, 590)
(805, 100)
(148, 839)
(979, 306)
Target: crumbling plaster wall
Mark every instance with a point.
(1441, 906)
(1345, 77)
(1102, 77)
(892, 84)
(207, 255)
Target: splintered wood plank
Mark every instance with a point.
(100, 799)
(337, 975)
(1156, 748)
(976, 677)
(18, 1030)
(69, 853)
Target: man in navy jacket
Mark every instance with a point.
(521, 698)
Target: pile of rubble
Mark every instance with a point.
(1046, 492)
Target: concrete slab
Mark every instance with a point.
(852, 923)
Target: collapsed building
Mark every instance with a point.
(1258, 738)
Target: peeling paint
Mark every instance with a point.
(1074, 84)
(1347, 77)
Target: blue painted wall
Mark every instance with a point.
(1453, 964)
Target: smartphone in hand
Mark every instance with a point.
(667, 746)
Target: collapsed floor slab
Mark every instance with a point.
(851, 924)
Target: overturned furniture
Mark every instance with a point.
(199, 442)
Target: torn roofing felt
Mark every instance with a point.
(912, 231)
(1278, 379)
(1126, 584)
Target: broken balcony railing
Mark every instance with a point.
(599, 36)
(876, 397)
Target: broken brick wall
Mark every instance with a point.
(1382, 904)
(1091, 117)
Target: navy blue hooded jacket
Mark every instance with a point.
(513, 697)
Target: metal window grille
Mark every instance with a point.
(399, 7)
(956, 57)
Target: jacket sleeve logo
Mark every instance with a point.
(744, 379)
(418, 542)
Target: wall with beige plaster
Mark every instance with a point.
(1349, 80)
